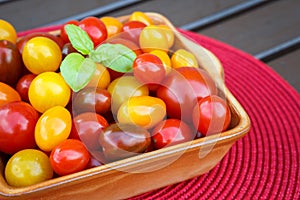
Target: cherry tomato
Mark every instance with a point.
(41, 54)
(181, 89)
(53, 127)
(8, 94)
(67, 49)
(121, 89)
(113, 25)
(95, 28)
(153, 38)
(7, 31)
(92, 100)
(183, 58)
(69, 156)
(48, 89)
(142, 17)
(124, 140)
(101, 77)
(170, 132)
(145, 111)
(165, 59)
(23, 86)
(23, 40)
(17, 123)
(211, 115)
(87, 127)
(169, 34)
(28, 167)
(63, 33)
(10, 62)
(148, 69)
(128, 43)
(131, 30)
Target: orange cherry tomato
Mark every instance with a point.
(141, 17)
(7, 31)
(8, 94)
(113, 26)
(183, 58)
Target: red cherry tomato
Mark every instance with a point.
(17, 123)
(95, 28)
(132, 30)
(170, 132)
(87, 127)
(211, 115)
(63, 33)
(69, 156)
(181, 89)
(148, 69)
(23, 86)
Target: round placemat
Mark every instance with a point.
(265, 164)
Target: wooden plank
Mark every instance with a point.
(259, 29)
(29, 14)
(33, 13)
(288, 67)
(180, 12)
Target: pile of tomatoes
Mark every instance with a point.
(49, 130)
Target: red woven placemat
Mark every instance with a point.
(265, 164)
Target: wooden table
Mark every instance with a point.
(269, 30)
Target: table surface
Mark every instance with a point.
(267, 30)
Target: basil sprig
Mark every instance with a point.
(78, 70)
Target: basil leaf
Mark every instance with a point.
(77, 70)
(79, 39)
(115, 56)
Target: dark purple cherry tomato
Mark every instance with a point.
(23, 86)
(181, 89)
(69, 156)
(95, 28)
(211, 115)
(92, 99)
(148, 69)
(132, 30)
(10, 63)
(170, 132)
(17, 124)
(87, 127)
(124, 140)
(67, 49)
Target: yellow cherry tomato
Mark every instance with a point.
(28, 167)
(41, 54)
(183, 58)
(169, 34)
(7, 31)
(153, 38)
(101, 77)
(145, 111)
(141, 17)
(124, 87)
(47, 90)
(53, 127)
(165, 59)
(113, 26)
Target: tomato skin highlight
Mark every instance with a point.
(170, 132)
(17, 123)
(69, 156)
(211, 115)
